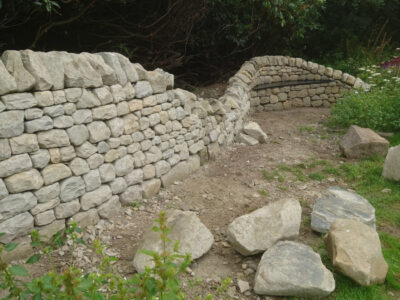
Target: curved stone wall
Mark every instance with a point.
(81, 134)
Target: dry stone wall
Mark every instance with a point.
(83, 134)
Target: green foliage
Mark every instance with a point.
(159, 282)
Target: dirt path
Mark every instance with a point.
(234, 185)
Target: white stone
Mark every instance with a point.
(41, 124)
(24, 143)
(110, 209)
(79, 166)
(186, 227)
(13, 63)
(82, 116)
(391, 167)
(33, 113)
(40, 158)
(44, 218)
(123, 165)
(85, 150)
(44, 98)
(96, 197)
(19, 101)
(11, 123)
(107, 173)
(47, 193)
(34, 65)
(55, 172)
(66, 210)
(15, 164)
(151, 188)
(13, 205)
(261, 229)
(143, 89)
(78, 134)
(63, 122)
(92, 180)
(41, 207)
(134, 177)
(17, 226)
(255, 131)
(98, 131)
(54, 138)
(5, 150)
(72, 188)
(131, 195)
(24, 181)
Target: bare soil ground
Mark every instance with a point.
(233, 185)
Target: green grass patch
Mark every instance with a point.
(317, 176)
(307, 129)
(263, 192)
(332, 171)
(395, 139)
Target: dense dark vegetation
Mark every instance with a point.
(204, 40)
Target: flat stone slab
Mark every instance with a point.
(292, 269)
(361, 142)
(356, 251)
(337, 203)
(258, 231)
(193, 236)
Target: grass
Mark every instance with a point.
(317, 176)
(263, 192)
(308, 129)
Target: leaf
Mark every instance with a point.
(80, 241)
(155, 229)
(2, 233)
(10, 247)
(34, 258)
(149, 252)
(85, 284)
(18, 270)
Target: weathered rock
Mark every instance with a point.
(292, 269)
(186, 227)
(11, 123)
(34, 64)
(92, 180)
(128, 68)
(106, 72)
(96, 197)
(3, 189)
(15, 164)
(107, 173)
(118, 185)
(82, 75)
(13, 63)
(16, 226)
(54, 138)
(63, 122)
(13, 205)
(112, 60)
(246, 139)
(151, 188)
(156, 81)
(105, 112)
(7, 82)
(5, 150)
(86, 218)
(24, 181)
(47, 193)
(391, 167)
(41, 207)
(21, 252)
(72, 188)
(260, 230)
(87, 100)
(131, 195)
(255, 131)
(19, 101)
(40, 158)
(356, 251)
(66, 210)
(124, 165)
(85, 150)
(181, 171)
(98, 131)
(363, 142)
(44, 218)
(24, 143)
(109, 209)
(143, 89)
(47, 232)
(337, 203)
(79, 166)
(55, 172)
(82, 116)
(40, 124)
(54, 66)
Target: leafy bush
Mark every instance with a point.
(378, 109)
(159, 282)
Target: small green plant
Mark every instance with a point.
(308, 129)
(159, 282)
(316, 176)
(263, 192)
(267, 175)
(283, 188)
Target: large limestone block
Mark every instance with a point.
(7, 82)
(151, 188)
(391, 167)
(55, 67)
(246, 139)
(96, 197)
(110, 209)
(24, 181)
(41, 207)
(258, 231)
(72, 188)
(254, 130)
(34, 64)
(186, 227)
(19, 101)
(337, 203)
(40, 124)
(86, 218)
(55, 172)
(21, 252)
(89, 77)
(98, 131)
(293, 269)
(54, 138)
(128, 68)
(131, 195)
(106, 72)
(356, 251)
(13, 205)
(112, 60)
(363, 142)
(16, 226)
(66, 210)
(47, 193)
(156, 81)
(5, 149)
(181, 171)
(47, 232)
(3, 190)
(24, 143)
(15, 164)
(11, 123)
(13, 63)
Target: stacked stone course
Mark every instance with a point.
(83, 134)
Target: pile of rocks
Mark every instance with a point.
(252, 134)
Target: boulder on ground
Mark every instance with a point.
(254, 130)
(337, 203)
(391, 168)
(186, 227)
(293, 269)
(258, 231)
(246, 139)
(356, 251)
(363, 142)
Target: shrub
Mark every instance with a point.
(159, 282)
